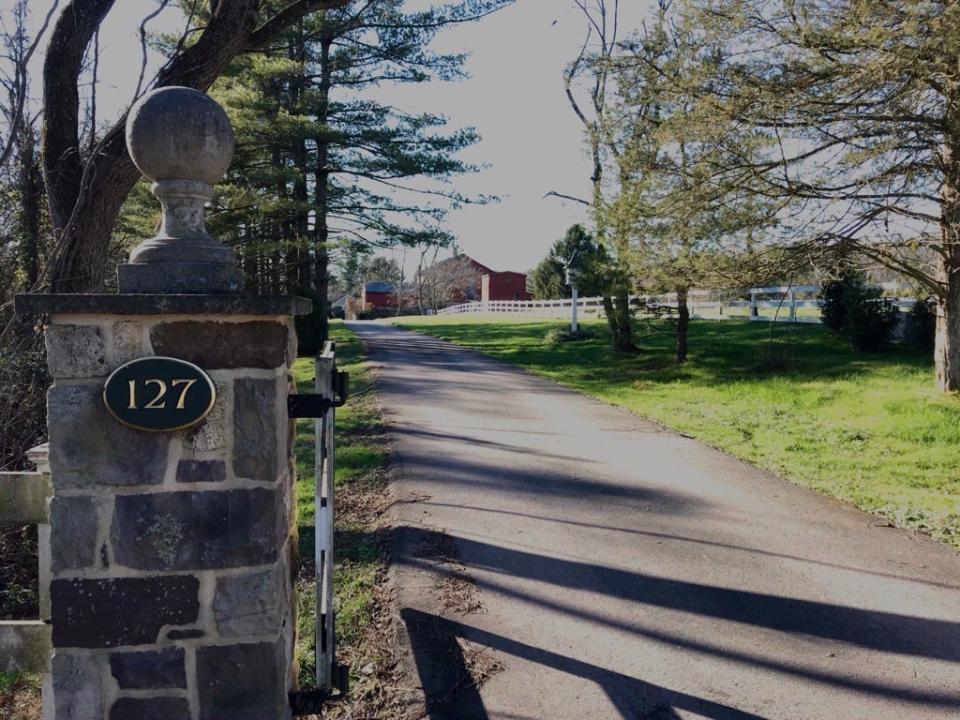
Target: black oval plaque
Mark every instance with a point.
(159, 394)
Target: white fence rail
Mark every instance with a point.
(799, 303)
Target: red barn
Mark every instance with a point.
(379, 295)
(505, 285)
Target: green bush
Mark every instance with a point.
(833, 309)
(922, 324)
(858, 313)
(870, 321)
(564, 335)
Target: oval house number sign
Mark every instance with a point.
(159, 394)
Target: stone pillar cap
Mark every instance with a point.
(182, 140)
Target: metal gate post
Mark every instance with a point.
(325, 460)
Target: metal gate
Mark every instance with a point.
(331, 387)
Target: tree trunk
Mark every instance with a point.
(31, 188)
(315, 327)
(946, 351)
(683, 325)
(947, 345)
(624, 321)
(617, 310)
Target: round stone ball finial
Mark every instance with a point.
(180, 139)
(177, 133)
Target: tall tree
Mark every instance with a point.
(687, 229)
(85, 194)
(861, 104)
(592, 66)
(579, 250)
(328, 161)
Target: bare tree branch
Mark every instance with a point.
(17, 115)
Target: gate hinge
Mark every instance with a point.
(311, 405)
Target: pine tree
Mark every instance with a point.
(860, 102)
(322, 164)
(686, 228)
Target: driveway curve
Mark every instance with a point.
(561, 559)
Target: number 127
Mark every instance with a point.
(159, 401)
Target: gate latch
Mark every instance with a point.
(311, 405)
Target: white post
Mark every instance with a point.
(323, 523)
(793, 306)
(573, 310)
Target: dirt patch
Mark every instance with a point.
(20, 697)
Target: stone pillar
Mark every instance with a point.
(172, 553)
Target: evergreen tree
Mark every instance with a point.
(686, 229)
(576, 248)
(860, 102)
(322, 163)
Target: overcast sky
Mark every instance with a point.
(532, 142)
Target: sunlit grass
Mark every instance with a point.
(870, 429)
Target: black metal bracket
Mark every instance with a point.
(312, 702)
(311, 405)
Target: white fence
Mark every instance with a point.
(798, 303)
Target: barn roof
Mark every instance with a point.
(380, 287)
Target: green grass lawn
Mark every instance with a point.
(360, 480)
(870, 429)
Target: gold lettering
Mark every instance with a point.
(153, 404)
(181, 403)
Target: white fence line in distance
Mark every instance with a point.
(799, 303)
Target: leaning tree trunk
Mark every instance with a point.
(85, 201)
(683, 324)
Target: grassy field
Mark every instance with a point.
(869, 429)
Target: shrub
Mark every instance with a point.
(833, 308)
(858, 313)
(922, 324)
(563, 335)
(869, 319)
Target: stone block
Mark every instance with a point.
(126, 343)
(76, 351)
(149, 670)
(211, 434)
(247, 605)
(77, 688)
(242, 682)
(197, 530)
(89, 447)
(223, 346)
(73, 532)
(120, 611)
(255, 454)
(201, 471)
(155, 708)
